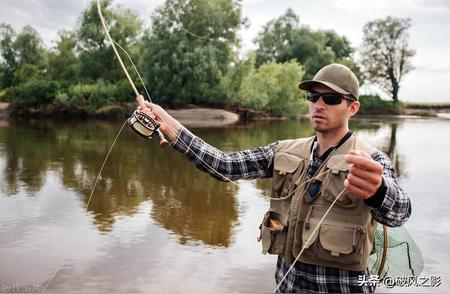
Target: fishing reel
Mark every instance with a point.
(145, 126)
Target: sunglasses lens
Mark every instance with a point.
(332, 99)
(328, 98)
(312, 96)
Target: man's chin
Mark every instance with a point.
(319, 127)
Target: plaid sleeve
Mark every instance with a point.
(248, 164)
(395, 208)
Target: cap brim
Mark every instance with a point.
(308, 85)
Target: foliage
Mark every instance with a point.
(273, 87)
(189, 49)
(283, 39)
(23, 55)
(62, 61)
(33, 92)
(187, 55)
(386, 55)
(231, 83)
(373, 104)
(93, 96)
(96, 57)
(8, 63)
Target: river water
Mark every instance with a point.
(156, 224)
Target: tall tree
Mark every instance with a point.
(8, 62)
(63, 63)
(283, 39)
(276, 38)
(30, 56)
(97, 60)
(386, 55)
(29, 47)
(23, 55)
(189, 49)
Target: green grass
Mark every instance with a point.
(426, 105)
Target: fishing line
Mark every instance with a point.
(231, 181)
(182, 143)
(89, 201)
(307, 241)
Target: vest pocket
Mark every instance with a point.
(335, 242)
(273, 234)
(333, 184)
(287, 169)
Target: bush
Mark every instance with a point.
(98, 95)
(273, 88)
(34, 92)
(373, 104)
(93, 96)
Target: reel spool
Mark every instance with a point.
(143, 124)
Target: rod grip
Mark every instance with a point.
(141, 101)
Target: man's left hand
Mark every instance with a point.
(364, 176)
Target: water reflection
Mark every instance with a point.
(185, 201)
(152, 207)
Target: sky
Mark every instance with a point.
(429, 35)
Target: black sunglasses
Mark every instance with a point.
(328, 98)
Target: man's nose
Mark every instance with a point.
(320, 104)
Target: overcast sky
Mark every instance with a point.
(430, 34)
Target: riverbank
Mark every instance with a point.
(193, 116)
(197, 117)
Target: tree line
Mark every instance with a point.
(190, 55)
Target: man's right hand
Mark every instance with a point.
(169, 126)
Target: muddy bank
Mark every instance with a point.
(196, 117)
(4, 109)
(204, 117)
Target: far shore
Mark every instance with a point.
(196, 117)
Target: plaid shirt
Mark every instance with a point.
(390, 206)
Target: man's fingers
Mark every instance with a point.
(364, 174)
(363, 162)
(149, 112)
(356, 190)
(360, 153)
(149, 104)
(363, 184)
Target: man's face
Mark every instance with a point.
(325, 118)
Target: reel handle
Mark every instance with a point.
(163, 143)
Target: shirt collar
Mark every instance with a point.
(330, 149)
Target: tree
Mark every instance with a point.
(97, 59)
(283, 39)
(273, 87)
(276, 38)
(63, 62)
(386, 56)
(30, 56)
(23, 55)
(189, 49)
(8, 60)
(29, 47)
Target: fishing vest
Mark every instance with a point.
(345, 237)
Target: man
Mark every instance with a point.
(309, 175)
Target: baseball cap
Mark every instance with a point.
(337, 77)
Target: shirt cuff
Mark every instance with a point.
(183, 140)
(377, 199)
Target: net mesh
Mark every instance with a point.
(403, 257)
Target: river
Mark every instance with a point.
(156, 224)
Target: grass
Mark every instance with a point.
(426, 105)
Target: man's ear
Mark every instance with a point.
(354, 107)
